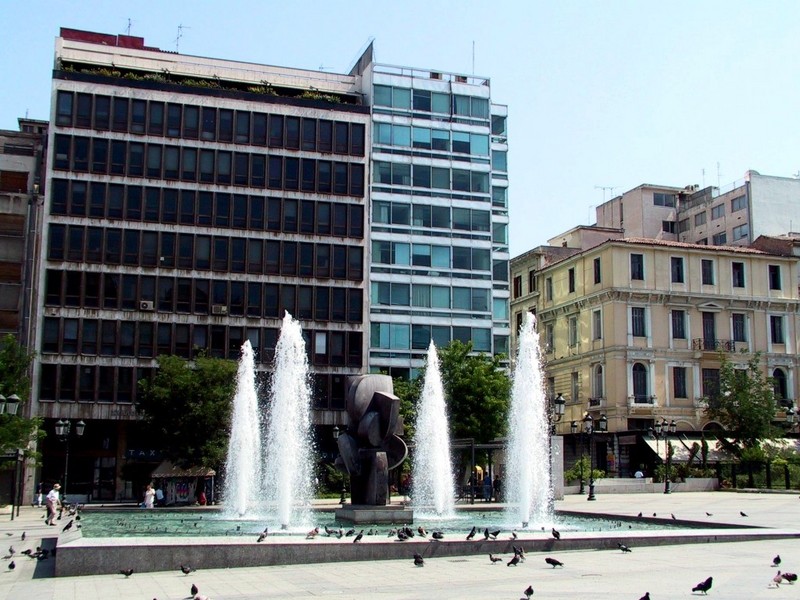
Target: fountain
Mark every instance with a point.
(287, 459)
(433, 489)
(243, 464)
(528, 482)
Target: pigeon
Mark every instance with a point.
(494, 559)
(553, 562)
(194, 590)
(349, 532)
(776, 562)
(494, 534)
(22, 537)
(261, 537)
(703, 586)
(418, 560)
(741, 512)
(708, 514)
(528, 591)
(126, 572)
(329, 532)
(472, 533)
(520, 552)
(623, 547)
(12, 566)
(187, 569)
(486, 533)
(359, 536)
(556, 534)
(68, 526)
(11, 550)
(777, 580)
(655, 515)
(514, 534)
(639, 515)
(437, 535)
(646, 596)
(421, 531)
(673, 516)
(401, 536)
(312, 534)
(514, 561)
(790, 577)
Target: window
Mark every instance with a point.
(737, 274)
(638, 327)
(597, 382)
(780, 387)
(717, 211)
(776, 329)
(719, 239)
(676, 269)
(678, 324)
(739, 327)
(707, 271)
(550, 340)
(661, 199)
(738, 203)
(517, 286)
(597, 272)
(573, 331)
(683, 225)
(679, 382)
(668, 226)
(637, 266)
(641, 387)
(774, 277)
(710, 383)
(531, 281)
(741, 231)
(571, 280)
(574, 384)
(700, 219)
(548, 289)
(597, 325)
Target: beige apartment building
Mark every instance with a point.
(632, 328)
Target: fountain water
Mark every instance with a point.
(243, 464)
(433, 487)
(287, 459)
(528, 482)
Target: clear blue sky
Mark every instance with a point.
(604, 93)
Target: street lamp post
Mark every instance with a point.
(336, 434)
(664, 429)
(10, 405)
(63, 430)
(590, 428)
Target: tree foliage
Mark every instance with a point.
(745, 405)
(188, 408)
(17, 431)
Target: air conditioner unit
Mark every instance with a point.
(146, 305)
(219, 309)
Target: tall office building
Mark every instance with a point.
(439, 222)
(191, 201)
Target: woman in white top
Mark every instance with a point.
(149, 496)
(52, 502)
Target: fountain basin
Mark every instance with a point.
(376, 515)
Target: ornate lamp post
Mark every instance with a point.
(664, 429)
(590, 427)
(63, 430)
(342, 499)
(9, 405)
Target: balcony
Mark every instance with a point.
(596, 402)
(644, 401)
(711, 345)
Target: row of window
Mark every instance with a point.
(427, 255)
(208, 123)
(90, 383)
(385, 293)
(404, 136)
(154, 161)
(425, 215)
(136, 248)
(216, 297)
(432, 102)
(426, 176)
(401, 336)
(217, 209)
(677, 272)
(142, 339)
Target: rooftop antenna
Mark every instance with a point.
(473, 57)
(703, 171)
(181, 27)
(128, 29)
(719, 175)
(324, 68)
(606, 188)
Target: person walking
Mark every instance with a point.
(53, 501)
(149, 496)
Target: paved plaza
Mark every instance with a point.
(741, 570)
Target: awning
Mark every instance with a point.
(681, 450)
(167, 469)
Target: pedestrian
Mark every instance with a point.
(487, 488)
(498, 489)
(53, 501)
(159, 496)
(149, 496)
(39, 495)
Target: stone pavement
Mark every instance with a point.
(740, 570)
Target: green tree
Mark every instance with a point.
(17, 431)
(745, 404)
(477, 388)
(408, 390)
(187, 406)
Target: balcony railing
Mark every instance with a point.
(711, 345)
(595, 402)
(642, 400)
